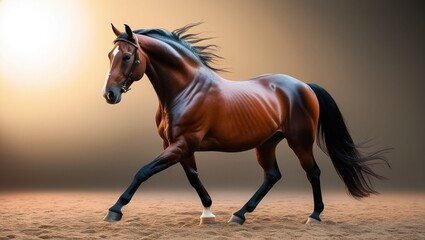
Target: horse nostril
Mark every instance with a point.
(110, 95)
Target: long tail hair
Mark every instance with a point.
(335, 140)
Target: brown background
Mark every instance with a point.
(369, 54)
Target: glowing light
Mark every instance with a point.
(38, 41)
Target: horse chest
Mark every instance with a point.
(173, 125)
(163, 124)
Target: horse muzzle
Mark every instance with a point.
(112, 96)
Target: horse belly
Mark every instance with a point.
(244, 122)
(234, 142)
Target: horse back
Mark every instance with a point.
(247, 113)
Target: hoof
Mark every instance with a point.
(207, 216)
(236, 220)
(113, 217)
(207, 220)
(311, 220)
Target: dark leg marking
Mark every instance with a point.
(189, 166)
(267, 160)
(313, 174)
(169, 157)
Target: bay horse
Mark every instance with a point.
(200, 111)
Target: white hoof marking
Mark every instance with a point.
(207, 216)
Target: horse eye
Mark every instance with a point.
(126, 58)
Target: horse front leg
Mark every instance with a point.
(189, 166)
(172, 155)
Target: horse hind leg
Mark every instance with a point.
(306, 158)
(267, 160)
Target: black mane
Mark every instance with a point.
(204, 53)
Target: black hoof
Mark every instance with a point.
(315, 216)
(113, 216)
(236, 220)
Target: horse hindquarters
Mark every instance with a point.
(301, 132)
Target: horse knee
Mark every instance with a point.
(192, 175)
(194, 181)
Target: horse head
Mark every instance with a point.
(127, 64)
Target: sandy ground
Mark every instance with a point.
(169, 215)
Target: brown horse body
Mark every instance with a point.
(200, 111)
(223, 111)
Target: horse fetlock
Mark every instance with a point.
(315, 216)
(319, 207)
(207, 202)
(125, 199)
(116, 208)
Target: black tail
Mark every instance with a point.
(335, 140)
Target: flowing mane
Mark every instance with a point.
(179, 38)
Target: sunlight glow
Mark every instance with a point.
(38, 41)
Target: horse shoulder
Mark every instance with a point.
(190, 114)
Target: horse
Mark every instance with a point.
(201, 111)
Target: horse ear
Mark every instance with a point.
(129, 32)
(115, 30)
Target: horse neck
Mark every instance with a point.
(169, 70)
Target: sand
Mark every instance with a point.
(175, 215)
